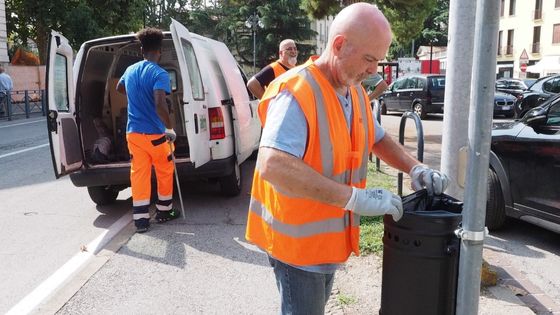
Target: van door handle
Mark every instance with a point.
(196, 123)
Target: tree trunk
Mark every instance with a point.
(42, 44)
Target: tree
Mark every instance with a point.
(78, 20)
(407, 17)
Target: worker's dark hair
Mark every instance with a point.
(150, 38)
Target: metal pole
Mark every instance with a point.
(254, 44)
(431, 50)
(480, 124)
(457, 90)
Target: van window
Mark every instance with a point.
(194, 71)
(61, 83)
(173, 79)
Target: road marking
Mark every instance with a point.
(25, 123)
(70, 268)
(24, 150)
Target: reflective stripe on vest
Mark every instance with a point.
(332, 225)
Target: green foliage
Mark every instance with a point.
(407, 17)
(371, 228)
(344, 299)
(78, 20)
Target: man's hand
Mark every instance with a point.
(424, 177)
(375, 201)
(170, 134)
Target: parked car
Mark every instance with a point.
(420, 93)
(529, 82)
(215, 117)
(515, 87)
(504, 104)
(540, 91)
(525, 169)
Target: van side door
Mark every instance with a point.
(195, 105)
(64, 136)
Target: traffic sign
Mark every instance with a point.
(523, 67)
(524, 58)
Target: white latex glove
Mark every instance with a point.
(424, 177)
(375, 201)
(170, 134)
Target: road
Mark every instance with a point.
(43, 221)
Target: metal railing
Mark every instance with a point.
(23, 103)
(420, 141)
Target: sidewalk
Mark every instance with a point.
(205, 266)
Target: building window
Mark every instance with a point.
(536, 40)
(502, 5)
(556, 34)
(538, 10)
(500, 42)
(511, 7)
(509, 48)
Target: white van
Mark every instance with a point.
(215, 116)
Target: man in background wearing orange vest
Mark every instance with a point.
(288, 58)
(309, 184)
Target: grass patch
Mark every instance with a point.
(371, 228)
(344, 299)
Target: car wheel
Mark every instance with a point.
(383, 107)
(418, 108)
(103, 195)
(231, 184)
(495, 205)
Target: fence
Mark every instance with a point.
(23, 103)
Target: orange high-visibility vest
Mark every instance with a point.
(277, 68)
(301, 231)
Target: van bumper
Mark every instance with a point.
(120, 176)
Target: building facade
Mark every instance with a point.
(529, 33)
(3, 34)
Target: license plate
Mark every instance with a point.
(506, 107)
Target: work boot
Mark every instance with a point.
(142, 225)
(164, 216)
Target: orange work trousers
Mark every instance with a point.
(147, 151)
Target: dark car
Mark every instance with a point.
(504, 104)
(540, 91)
(514, 87)
(420, 93)
(524, 175)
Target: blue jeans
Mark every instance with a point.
(302, 292)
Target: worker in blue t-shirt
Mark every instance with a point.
(148, 131)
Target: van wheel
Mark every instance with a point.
(383, 107)
(231, 184)
(495, 205)
(103, 195)
(418, 108)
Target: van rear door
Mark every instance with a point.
(64, 137)
(246, 122)
(194, 99)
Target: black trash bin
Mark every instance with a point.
(421, 257)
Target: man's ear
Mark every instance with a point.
(338, 44)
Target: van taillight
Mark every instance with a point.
(217, 130)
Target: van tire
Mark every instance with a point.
(230, 184)
(419, 109)
(495, 205)
(103, 195)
